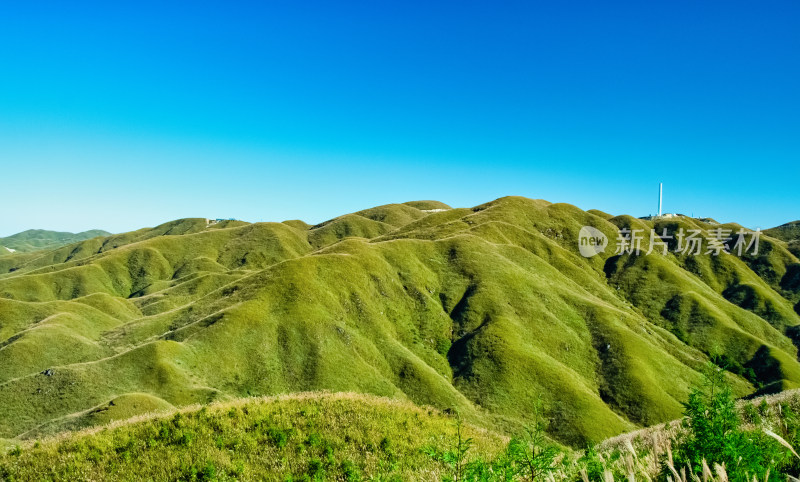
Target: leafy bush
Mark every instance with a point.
(534, 457)
(713, 434)
(529, 458)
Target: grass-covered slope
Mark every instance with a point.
(485, 310)
(296, 437)
(37, 239)
(350, 437)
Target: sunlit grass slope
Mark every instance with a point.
(335, 437)
(485, 310)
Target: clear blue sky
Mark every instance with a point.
(120, 116)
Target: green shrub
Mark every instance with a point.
(713, 433)
(750, 414)
(209, 472)
(534, 456)
(592, 464)
(455, 457)
(349, 471)
(279, 437)
(316, 470)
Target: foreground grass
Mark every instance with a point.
(347, 436)
(296, 437)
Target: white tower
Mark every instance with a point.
(660, 196)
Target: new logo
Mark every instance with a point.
(591, 241)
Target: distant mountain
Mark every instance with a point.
(488, 310)
(38, 239)
(789, 232)
(786, 232)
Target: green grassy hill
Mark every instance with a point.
(486, 310)
(38, 239)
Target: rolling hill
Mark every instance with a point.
(486, 310)
(38, 239)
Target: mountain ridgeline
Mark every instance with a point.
(486, 310)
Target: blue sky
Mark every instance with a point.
(119, 116)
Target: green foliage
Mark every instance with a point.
(455, 456)
(715, 435)
(530, 458)
(592, 463)
(535, 456)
